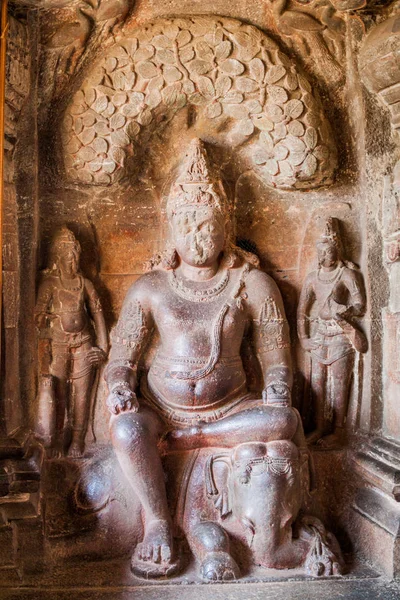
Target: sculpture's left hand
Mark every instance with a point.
(96, 356)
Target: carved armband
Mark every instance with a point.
(93, 299)
(271, 329)
(119, 364)
(95, 305)
(356, 293)
(131, 329)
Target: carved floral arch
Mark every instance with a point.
(230, 71)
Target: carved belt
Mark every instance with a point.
(166, 361)
(71, 340)
(329, 328)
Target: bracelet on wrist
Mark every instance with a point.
(120, 385)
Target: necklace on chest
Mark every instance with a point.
(330, 276)
(73, 285)
(198, 291)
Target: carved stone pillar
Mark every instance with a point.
(17, 86)
(377, 504)
(20, 225)
(18, 474)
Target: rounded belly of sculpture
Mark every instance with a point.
(73, 322)
(223, 382)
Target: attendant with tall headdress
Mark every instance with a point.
(331, 296)
(67, 307)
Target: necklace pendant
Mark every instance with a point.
(198, 295)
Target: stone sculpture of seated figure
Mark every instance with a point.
(202, 299)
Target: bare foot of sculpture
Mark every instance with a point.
(75, 450)
(153, 558)
(219, 566)
(55, 451)
(313, 437)
(333, 441)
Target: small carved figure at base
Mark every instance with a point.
(67, 306)
(336, 292)
(324, 557)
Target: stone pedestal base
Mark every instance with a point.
(328, 589)
(376, 525)
(377, 531)
(391, 373)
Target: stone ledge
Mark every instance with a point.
(377, 589)
(379, 464)
(380, 509)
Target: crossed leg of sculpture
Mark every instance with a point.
(135, 437)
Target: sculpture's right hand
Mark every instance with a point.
(122, 399)
(309, 344)
(42, 320)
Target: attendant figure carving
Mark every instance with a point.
(66, 309)
(240, 459)
(391, 236)
(330, 298)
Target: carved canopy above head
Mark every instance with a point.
(231, 72)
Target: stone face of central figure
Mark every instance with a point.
(244, 454)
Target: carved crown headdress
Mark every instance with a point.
(331, 233)
(62, 237)
(197, 184)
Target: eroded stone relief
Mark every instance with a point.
(66, 305)
(317, 32)
(207, 474)
(336, 291)
(17, 88)
(70, 32)
(193, 402)
(229, 71)
(378, 62)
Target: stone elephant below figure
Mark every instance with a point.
(246, 502)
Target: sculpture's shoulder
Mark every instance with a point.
(148, 287)
(310, 279)
(259, 285)
(351, 272)
(48, 280)
(353, 279)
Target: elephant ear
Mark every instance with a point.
(219, 495)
